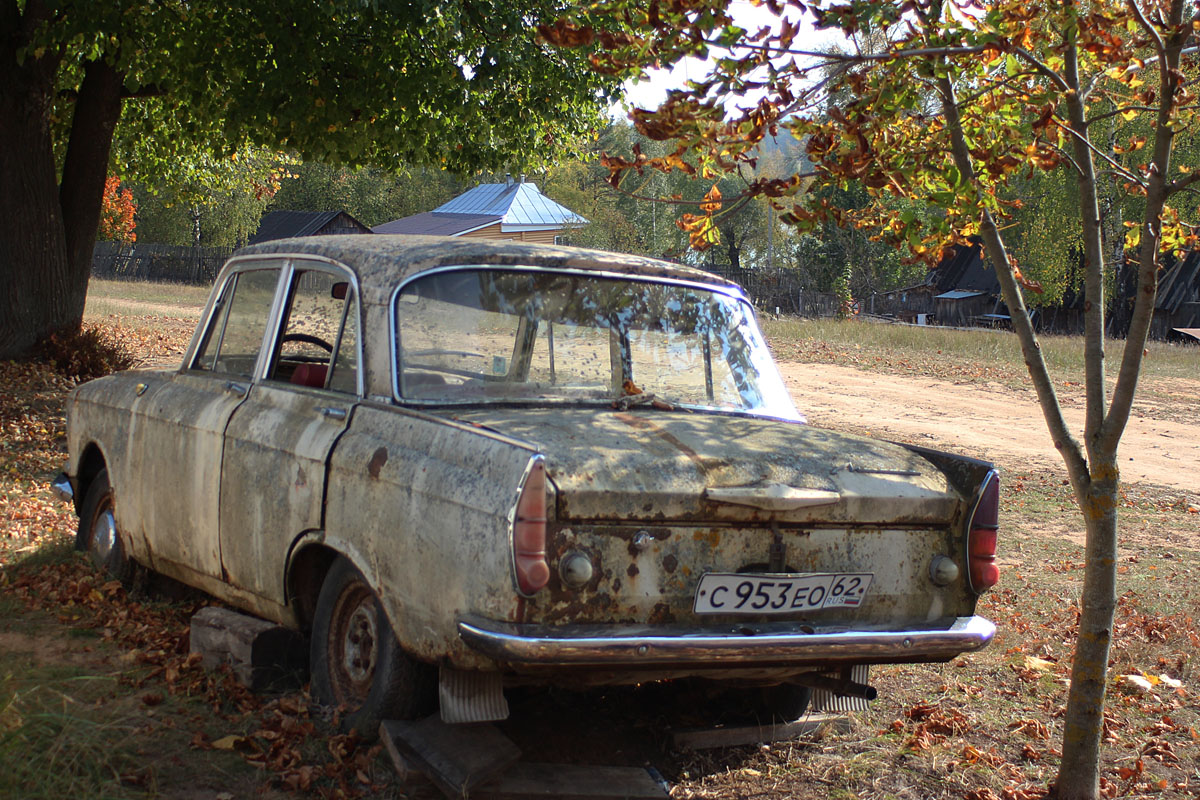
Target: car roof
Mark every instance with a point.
(382, 261)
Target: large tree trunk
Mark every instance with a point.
(47, 232)
(33, 257)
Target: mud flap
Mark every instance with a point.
(471, 696)
(824, 700)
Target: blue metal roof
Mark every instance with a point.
(514, 203)
(958, 294)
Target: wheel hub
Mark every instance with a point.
(359, 645)
(104, 536)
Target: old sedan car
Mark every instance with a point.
(460, 465)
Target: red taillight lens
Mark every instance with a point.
(529, 532)
(981, 539)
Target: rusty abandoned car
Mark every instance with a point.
(461, 465)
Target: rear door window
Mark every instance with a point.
(319, 344)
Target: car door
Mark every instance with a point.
(278, 442)
(178, 431)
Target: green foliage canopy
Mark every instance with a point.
(448, 83)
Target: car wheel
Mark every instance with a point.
(357, 664)
(98, 534)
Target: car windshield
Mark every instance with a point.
(510, 335)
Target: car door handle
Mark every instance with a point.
(334, 413)
(237, 388)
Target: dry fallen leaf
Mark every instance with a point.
(1139, 682)
(1039, 664)
(228, 742)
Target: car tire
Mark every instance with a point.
(356, 662)
(98, 534)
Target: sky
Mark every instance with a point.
(650, 93)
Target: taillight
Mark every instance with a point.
(529, 531)
(981, 536)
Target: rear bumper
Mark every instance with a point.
(757, 645)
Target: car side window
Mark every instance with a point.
(235, 335)
(319, 345)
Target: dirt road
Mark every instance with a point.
(993, 421)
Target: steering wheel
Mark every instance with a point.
(307, 338)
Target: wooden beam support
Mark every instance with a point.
(708, 738)
(457, 758)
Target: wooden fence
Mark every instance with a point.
(162, 263)
(771, 289)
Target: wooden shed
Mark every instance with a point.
(286, 224)
(1178, 302)
(962, 290)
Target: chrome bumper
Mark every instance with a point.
(61, 486)
(756, 645)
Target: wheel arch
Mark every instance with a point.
(307, 567)
(91, 462)
(309, 563)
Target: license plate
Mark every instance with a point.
(737, 593)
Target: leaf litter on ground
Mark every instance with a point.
(983, 726)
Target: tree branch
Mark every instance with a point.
(1097, 151)
(1156, 195)
(853, 58)
(991, 87)
(1180, 184)
(1121, 110)
(1064, 442)
(1069, 159)
(740, 196)
(85, 166)
(1095, 389)
(1150, 30)
(1042, 69)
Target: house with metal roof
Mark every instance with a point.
(513, 210)
(285, 224)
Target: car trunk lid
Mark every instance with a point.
(669, 466)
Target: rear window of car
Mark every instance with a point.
(531, 336)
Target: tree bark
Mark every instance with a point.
(1083, 724)
(48, 230)
(33, 254)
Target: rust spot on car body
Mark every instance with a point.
(632, 571)
(670, 562)
(661, 615)
(378, 459)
